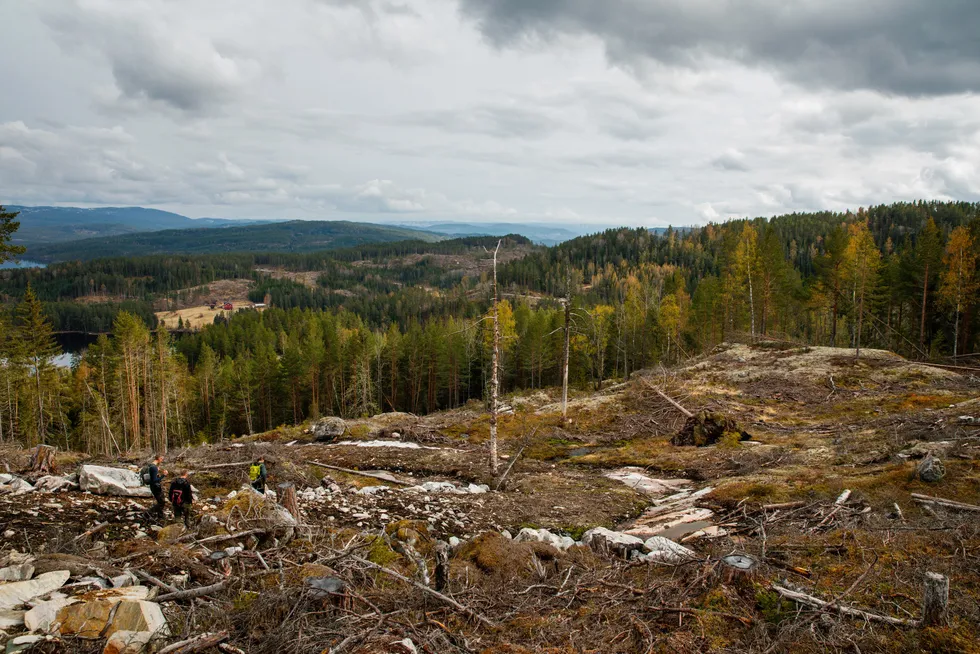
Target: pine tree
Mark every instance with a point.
(928, 250)
(38, 346)
(7, 228)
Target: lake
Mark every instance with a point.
(23, 263)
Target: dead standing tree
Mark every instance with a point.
(495, 367)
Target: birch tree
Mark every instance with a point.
(863, 260)
(959, 285)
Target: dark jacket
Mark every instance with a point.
(263, 475)
(155, 478)
(180, 492)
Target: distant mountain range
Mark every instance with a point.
(292, 236)
(540, 233)
(57, 224)
(61, 233)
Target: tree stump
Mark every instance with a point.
(736, 569)
(935, 599)
(287, 498)
(42, 459)
(442, 565)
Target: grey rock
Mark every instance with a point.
(544, 536)
(931, 469)
(20, 572)
(664, 550)
(327, 429)
(102, 480)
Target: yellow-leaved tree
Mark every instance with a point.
(862, 259)
(959, 284)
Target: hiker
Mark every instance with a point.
(181, 497)
(258, 475)
(154, 479)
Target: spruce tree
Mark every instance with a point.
(38, 347)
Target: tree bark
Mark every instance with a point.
(495, 375)
(935, 600)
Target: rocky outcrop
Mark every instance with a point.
(931, 469)
(101, 480)
(328, 429)
(44, 614)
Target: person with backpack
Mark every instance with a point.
(258, 475)
(181, 498)
(153, 476)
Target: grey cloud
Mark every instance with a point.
(731, 160)
(152, 61)
(904, 47)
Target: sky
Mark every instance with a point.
(639, 112)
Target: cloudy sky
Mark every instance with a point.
(647, 112)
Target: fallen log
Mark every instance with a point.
(817, 603)
(510, 467)
(195, 644)
(362, 474)
(145, 576)
(221, 537)
(949, 504)
(673, 402)
(215, 466)
(91, 532)
(191, 593)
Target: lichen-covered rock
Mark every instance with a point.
(931, 469)
(327, 429)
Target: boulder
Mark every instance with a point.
(20, 572)
(101, 480)
(931, 469)
(606, 541)
(44, 614)
(667, 551)
(544, 536)
(15, 485)
(328, 429)
(128, 642)
(99, 618)
(16, 593)
(55, 483)
(140, 616)
(10, 619)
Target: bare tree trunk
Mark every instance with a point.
(495, 378)
(564, 379)
(922, 324)
(748, 271)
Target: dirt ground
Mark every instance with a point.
(820, 423)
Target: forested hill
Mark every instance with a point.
(292, 236)
(40, 225)
(404, 326)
